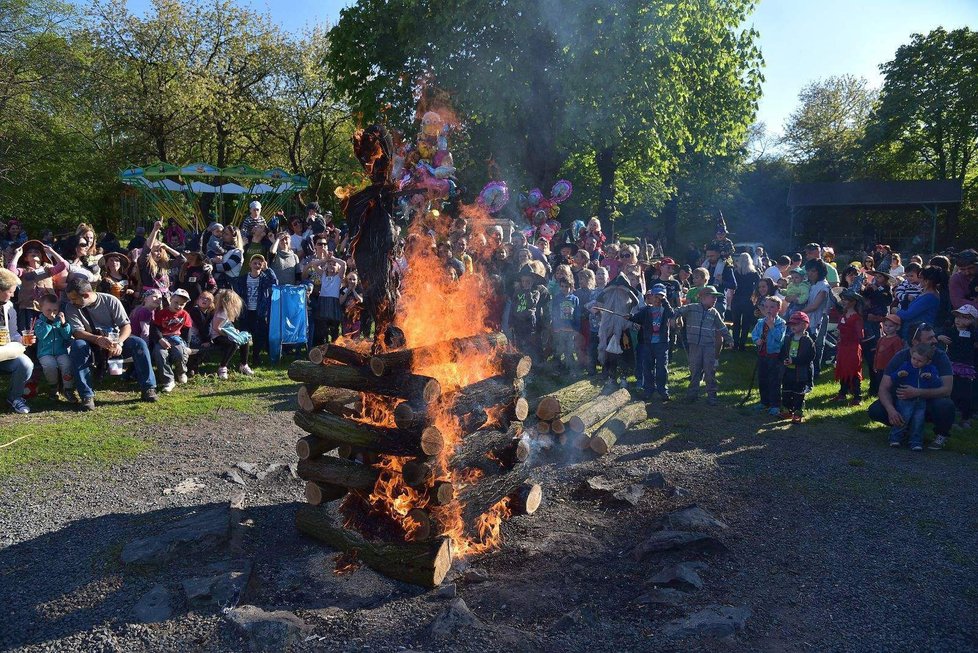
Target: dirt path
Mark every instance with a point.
(835, 543)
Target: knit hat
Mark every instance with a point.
(800, 316)
(255, 204)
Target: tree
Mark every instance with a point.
(927, 117)
(823, 136)
(542, 82)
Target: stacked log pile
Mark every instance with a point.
(595, 425)
(373, 423)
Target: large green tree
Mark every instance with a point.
(607, 84)
(824, 135)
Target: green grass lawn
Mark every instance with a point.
(56, 432)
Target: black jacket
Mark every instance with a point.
(802, 376)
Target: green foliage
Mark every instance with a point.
(215, 82)
(824, 134)
(590, 90)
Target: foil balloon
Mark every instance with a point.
(561, 191)
(494, 196)
(431, 123)
(576, 228)
(535, 197)
(539, 217)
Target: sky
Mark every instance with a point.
(801, 40)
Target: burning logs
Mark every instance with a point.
(471, 404)
(398, 442)
(413, 387)
(419, 563)
(406, 359)
(413, 488)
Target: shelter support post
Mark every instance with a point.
(932, 211)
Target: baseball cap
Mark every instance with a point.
(667, 261)
(894, 318)
(799, 271)
(255, 205)
(967, 309)
(967, 257)
(800, 316)
(708, 290)
(657, 289)
(180, 292)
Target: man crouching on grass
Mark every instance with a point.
(93, 317)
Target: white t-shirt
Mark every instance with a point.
(253, 292)
(220, 317)
(330, 285)
(773, 273)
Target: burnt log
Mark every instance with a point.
(338, 472)
(405, 360)
(418, 563)
(486, 450)
(374, 438)
(413, 387)
(526, 499)
(593, 412)
(515, 365)
(442, 493)
(478, 498)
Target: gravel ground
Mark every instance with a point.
(835, 543)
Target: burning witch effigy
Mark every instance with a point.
(415, 450)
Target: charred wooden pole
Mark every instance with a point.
(405, 360)
(393, 441)
(413, 387)
(323, 354)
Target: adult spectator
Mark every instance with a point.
(940, 407)
(16, 364)
(963, 284)
(761, 259)
(138, 240)
(813, 252)
(285, 264)
(779, 270)
(742, 306)
(100, 327)
(818, 296)
(721, 276)
(926, 307)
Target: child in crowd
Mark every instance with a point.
(889, 344)
(849, 353)
(768, 336)
(227, 309)
(700, 278)
(797, 291)
(653, 322)
(524, 310)
(351, 299)
(41, 270)
(200, 332)
(255, 290)
(195, 277)
(116, 280)
(53, 339)
(961, 344)
(566, 312)
(329, 314)
(705, 335)
(170, 350)
(142, 316)
(918, 373)
(909, 289)
(798, 376)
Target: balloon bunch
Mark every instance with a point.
(541, 212)
(426, 168)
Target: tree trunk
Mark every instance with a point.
(474, 451)
(339, 472)
(548, 409)
(607, 169)
(421, 389)
(312, 447)
(486, 492)
(515, 365)
(670, 221)
(615, 427)
(591, 413)
(526, 499)
(393, 441)
(418, 563)
(405, 360)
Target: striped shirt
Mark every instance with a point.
(702, 324)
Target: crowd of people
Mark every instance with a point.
(904, 332)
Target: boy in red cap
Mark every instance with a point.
(798, 357)
(889, 344)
